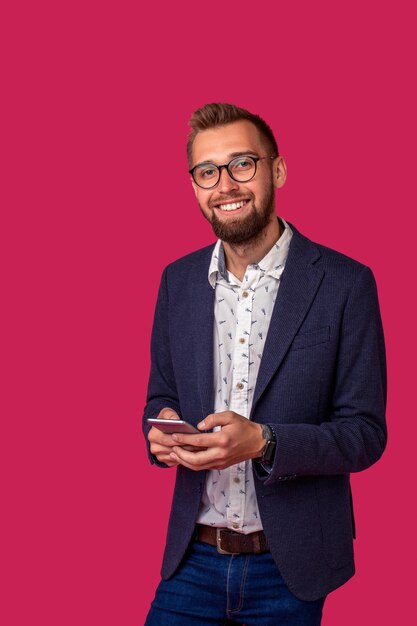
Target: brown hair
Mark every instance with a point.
(220, 114)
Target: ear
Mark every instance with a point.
(279, 171)
(194, 185)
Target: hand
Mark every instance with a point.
(162, 443)
(238, 440)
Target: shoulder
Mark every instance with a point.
(334, 263)
(190, 266)
(193, 259)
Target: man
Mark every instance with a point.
(272, 346)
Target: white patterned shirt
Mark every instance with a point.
(242, 312)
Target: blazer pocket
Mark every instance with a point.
(312, 338)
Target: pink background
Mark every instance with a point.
(96, 201)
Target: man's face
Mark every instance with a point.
(238, 212)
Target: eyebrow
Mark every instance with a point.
(232, 155)
(242, 152)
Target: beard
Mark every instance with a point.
(246, 229)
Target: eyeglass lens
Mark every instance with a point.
(241, 169)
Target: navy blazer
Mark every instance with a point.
(321, 385)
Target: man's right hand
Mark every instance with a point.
(162, 443)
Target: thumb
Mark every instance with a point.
(216, 419)
(168, 414)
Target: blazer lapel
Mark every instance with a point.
(203, 324)
(299, 284)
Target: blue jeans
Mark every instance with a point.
(217, 590)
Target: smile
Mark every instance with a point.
(232, 206)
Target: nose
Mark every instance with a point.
(226, 183)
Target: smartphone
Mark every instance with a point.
(173, 426)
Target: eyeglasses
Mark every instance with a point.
(241, 169)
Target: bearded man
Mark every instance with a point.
(272, 346)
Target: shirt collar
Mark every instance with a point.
(272, 264)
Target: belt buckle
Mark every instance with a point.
(219, 542)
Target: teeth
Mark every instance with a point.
(232, 207)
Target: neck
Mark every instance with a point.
(239, 256)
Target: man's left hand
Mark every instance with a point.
(238, 439)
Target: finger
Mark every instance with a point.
(164, 455)
(173, 458)
(196, 468)
(217, 419)
(168, 414)
(194, 460)
(156, 449)
(199, 441)
(157, 436)
(164, 458)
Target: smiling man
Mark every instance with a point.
(272, 346)
(238, 198)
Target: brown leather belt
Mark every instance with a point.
(229, 542)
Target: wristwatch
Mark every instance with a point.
(268, 453)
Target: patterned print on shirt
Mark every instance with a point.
(229, 497)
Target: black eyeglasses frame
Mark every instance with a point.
(255, 159)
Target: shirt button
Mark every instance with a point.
(242, 340)
(235, 525)
(240, 385)
(245, 294)
(236, 479)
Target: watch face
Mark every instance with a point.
(269, 450)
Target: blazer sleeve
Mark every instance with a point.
(162, 391)
(354, 436)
